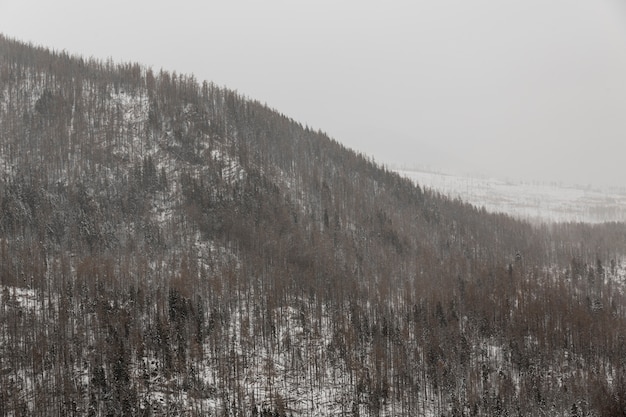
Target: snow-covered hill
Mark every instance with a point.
(173, 248)
(540, 202)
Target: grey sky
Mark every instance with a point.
(532, 89)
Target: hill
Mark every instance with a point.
(170, 247)
(535, 202)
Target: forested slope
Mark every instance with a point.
(170, 247)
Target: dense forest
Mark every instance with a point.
(171, 247)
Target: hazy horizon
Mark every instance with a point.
(527, 90)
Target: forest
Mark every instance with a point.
(172, 247)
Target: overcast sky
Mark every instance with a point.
(518, 89)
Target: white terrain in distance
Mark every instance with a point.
(533, 201)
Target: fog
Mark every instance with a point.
(532, 90)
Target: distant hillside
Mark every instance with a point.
(170, 247)
(535, 202)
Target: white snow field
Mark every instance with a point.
(536, 202)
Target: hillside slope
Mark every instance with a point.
(170, 247)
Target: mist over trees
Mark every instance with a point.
(171, 247)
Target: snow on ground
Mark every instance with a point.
(530, 201)
(24, 299)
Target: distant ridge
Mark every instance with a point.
(533, 201)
